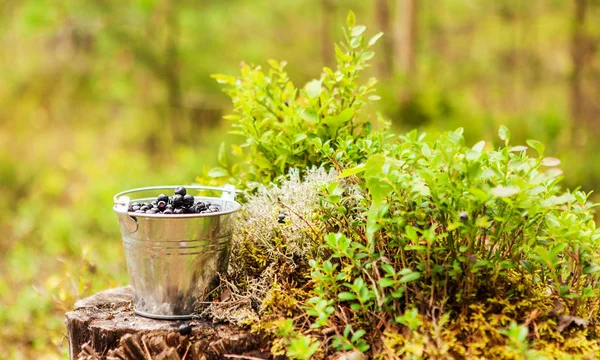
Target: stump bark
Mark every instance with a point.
(104, 326)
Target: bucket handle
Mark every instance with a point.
(228, 191)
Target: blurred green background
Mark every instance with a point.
(98, 96)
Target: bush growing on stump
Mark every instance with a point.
(417, 248)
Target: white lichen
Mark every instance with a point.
(289, 244)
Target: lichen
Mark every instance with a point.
(270, 257)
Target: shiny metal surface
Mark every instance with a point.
(174, 261)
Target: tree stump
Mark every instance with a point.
(104, 326)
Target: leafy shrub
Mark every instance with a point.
(416, 232)
(286, 127)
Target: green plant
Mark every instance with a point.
(441, 226)
(429, 229)
(518, 344)
(286, 127)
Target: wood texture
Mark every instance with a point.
(104, 326)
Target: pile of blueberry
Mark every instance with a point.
(180, 203)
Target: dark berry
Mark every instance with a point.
(130, 208)
(161, 205)
(135, 203)
(199, 208)
(463, 216)
(154, 202)
(136, 207)
(188, 200)
(146, 204)
(169, 206)
(281, 218)
(168, 211)
(185, 329)
(162, 197)
(177, 201)
(180, 190)
(145, 207)
(178, 211)
(214, 208)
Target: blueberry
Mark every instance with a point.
(177, 201)
(145, 207)
(167, 211)
(178, 211)
(161, 205)
(135, 203)
(214, 208)
(180, 190)
(188, 200)
(135, 207)
(154, 202)
(162, 197)
(463, 216)
(281, 218)
(185, 329)
(169, 206)
(199, 207)
(146, 204)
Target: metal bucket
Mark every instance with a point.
(174, 261)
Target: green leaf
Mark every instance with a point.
(357, 335)
(388, 268)
(313, 89)
(479, 146)
(386, 282)
(299, 137)
(503, 133)
(355, 42)
(309, 116)
(367, 55)
(218, 172)
(537, 145)
(346, 296)
(518, 148)
(410, 277)
(351, 19)
(358, 30)
(591, 268)
(550, 162)
(374, 39)
(345, 115)
(352, 171)
(223, 79)
(505, 191)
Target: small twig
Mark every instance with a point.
(300, 216)
(146, 348)
(186, 351)
(242, 357)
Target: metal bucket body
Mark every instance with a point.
(174, 261)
